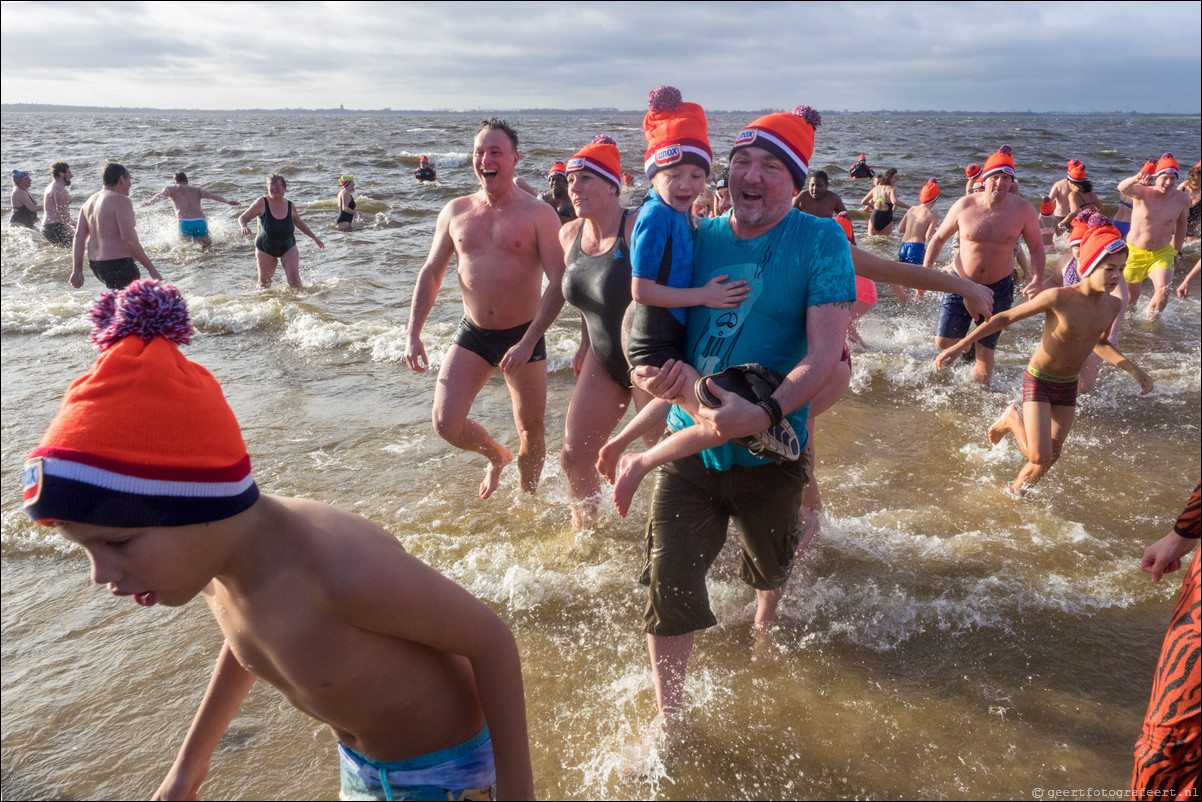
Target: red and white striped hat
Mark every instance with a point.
(601, 157)
(146, 437)
(676, 132)
(787, 135)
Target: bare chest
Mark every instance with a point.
(494, 232)
(986, 225)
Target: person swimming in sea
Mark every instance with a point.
(425, 172)
(346, 203)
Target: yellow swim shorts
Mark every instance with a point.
(1140, 262)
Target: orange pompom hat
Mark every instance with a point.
(1101, 239)
(676, 132)
(146, 437)
(929, 191)
(1078, 226)
(1149, 167)
(1167, 164)
(557, 169)
(1000, 162)
(1076, 170)
(787, 135)
(844, 220)
(972, 171)
(601, 157)
(1046, 206)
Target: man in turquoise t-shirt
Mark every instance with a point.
(802, 282)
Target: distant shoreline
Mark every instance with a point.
(48, 107)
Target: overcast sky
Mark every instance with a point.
(995, 56)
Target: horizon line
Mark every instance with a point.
(51, 107)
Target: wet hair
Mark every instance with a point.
(271, 179)
(1082, 186)
(497, 124)
(113, 172)
(181, 178)
(821, 176)
(1194, 176)
(892, 171)
(58, 168)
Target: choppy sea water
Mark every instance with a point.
(940, 640)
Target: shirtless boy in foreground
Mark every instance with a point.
(505, 241)
(1077, 323)
(325, 606)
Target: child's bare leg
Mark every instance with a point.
(1037, 443)
(633, 467)
(902, 295)
(653, 414)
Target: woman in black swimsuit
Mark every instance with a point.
(346, 203)
(596, 280)
(276, 243)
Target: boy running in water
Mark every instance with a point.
(917, 227)
(420, 682)
(1077, 323)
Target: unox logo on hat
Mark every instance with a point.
(668, 155)
(747, 137)
(577, 163)
(33, 481)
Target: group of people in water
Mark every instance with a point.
(725, 320)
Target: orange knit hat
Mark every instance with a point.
(557, 169)
(1000, 162)
(1046, 206)
(787, 135)
(972, 171)
(1076, 170)
(1078, 226)
(1101, 239)
(601, 157)
(1167, 164)
(844, 220)
(676, 132)
(929, 191)
(146, 437)
(1149, 167)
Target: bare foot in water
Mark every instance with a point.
(763, 644)
(630, 474)
(607, 460)
(1003, 425)
(492, 476)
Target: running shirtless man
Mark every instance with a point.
(504, 241)
(989, 224)
(1158, 222)
(106, 229)
(186, 200)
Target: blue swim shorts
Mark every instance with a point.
(912, 253)
(198, 227)
(954, 319)
(461, 772)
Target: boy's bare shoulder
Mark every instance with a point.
(336, 546)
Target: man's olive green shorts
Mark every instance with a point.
(691, 507)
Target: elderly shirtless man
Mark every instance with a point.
(1158, 222)
(193, 227)
(989, 224)
(504, 241)
(106, 229)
